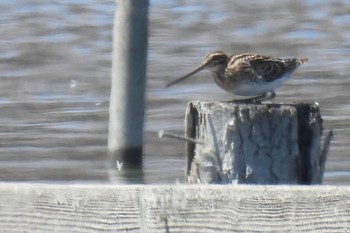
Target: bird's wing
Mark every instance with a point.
(238, 67)
(254, 67)
(267, 68)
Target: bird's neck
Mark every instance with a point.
(219, 74)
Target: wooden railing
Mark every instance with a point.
(175, 208)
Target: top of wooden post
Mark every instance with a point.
(268, 143)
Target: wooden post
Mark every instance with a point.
(254, 143)
(126, 112)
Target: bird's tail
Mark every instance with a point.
(302, 60)
(293, 63)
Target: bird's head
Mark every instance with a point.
(214, 61)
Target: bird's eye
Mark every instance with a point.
(216, 62)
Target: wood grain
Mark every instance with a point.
(180, 208)
(268, 143)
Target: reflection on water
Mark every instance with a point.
(55, 78)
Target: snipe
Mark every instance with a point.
(247, 74)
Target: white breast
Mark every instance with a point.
(253, 89)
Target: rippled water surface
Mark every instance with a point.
(55, 59)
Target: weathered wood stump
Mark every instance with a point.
(254, 143)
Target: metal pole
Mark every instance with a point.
(127, 102)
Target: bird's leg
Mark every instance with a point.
(267, 96)
(256, 99)
(253, 100)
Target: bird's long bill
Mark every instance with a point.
(186, 76)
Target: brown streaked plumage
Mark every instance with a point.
(247, 74)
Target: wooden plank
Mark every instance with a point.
(180, 208)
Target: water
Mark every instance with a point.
(55, 63)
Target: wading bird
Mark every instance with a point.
(247, 74)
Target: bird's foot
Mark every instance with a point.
(245, 101)
(255, 99)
